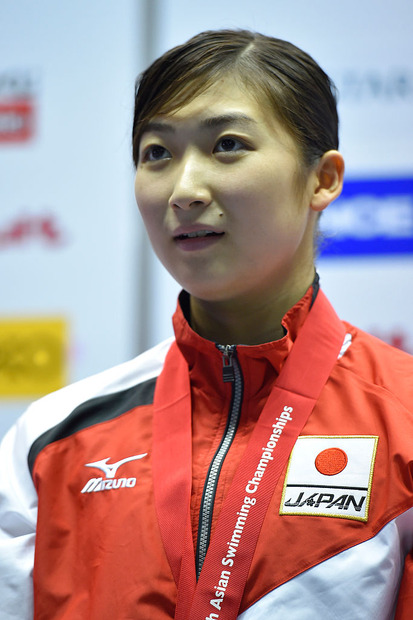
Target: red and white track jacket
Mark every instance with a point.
(80, 538)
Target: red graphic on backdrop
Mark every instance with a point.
(396, 338)
(26, 228)
(18, 98)
(16, 121)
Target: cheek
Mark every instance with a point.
(140, 193)
(264, 183)
(146, 200)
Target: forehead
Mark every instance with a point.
(226, 101)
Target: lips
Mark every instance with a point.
(196, 237)
(193, 231)
(198, 233)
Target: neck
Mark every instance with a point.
(245, 320)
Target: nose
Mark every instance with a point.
(190, 188)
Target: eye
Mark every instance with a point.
(228, 145)
(155, 152)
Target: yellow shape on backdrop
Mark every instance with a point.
(33, 356)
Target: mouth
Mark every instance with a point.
(199, 233)
(198, 240)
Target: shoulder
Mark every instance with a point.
(380, 364)
(52, 409)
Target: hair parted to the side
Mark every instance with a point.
(276, 72)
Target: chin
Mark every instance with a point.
(216, 287)
(213, 294)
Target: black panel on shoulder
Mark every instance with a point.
(94, 411)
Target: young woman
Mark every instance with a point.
(259, 464)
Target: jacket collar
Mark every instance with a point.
(254, 359)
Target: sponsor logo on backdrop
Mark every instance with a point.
(330, 477)
(33, 356)
(371, 217)
(25, 228)
(18, 102)
(387, 85)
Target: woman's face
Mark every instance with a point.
(220, 189)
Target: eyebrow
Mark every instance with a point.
(212, 122)
(228, 119)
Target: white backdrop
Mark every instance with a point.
(81, 291)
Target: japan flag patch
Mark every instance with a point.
(330, 477)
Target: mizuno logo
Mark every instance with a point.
(110, 469)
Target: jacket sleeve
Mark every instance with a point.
(18, 512)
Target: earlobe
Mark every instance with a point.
(329, 180)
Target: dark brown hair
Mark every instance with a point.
(275, 71)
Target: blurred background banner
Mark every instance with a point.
(69, 229)
(372, 217)
(80, 288)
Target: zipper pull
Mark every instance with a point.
(227, 351)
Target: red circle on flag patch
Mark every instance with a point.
(331, 461)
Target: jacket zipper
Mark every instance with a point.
(231, 373)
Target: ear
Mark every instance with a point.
(329, 175)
